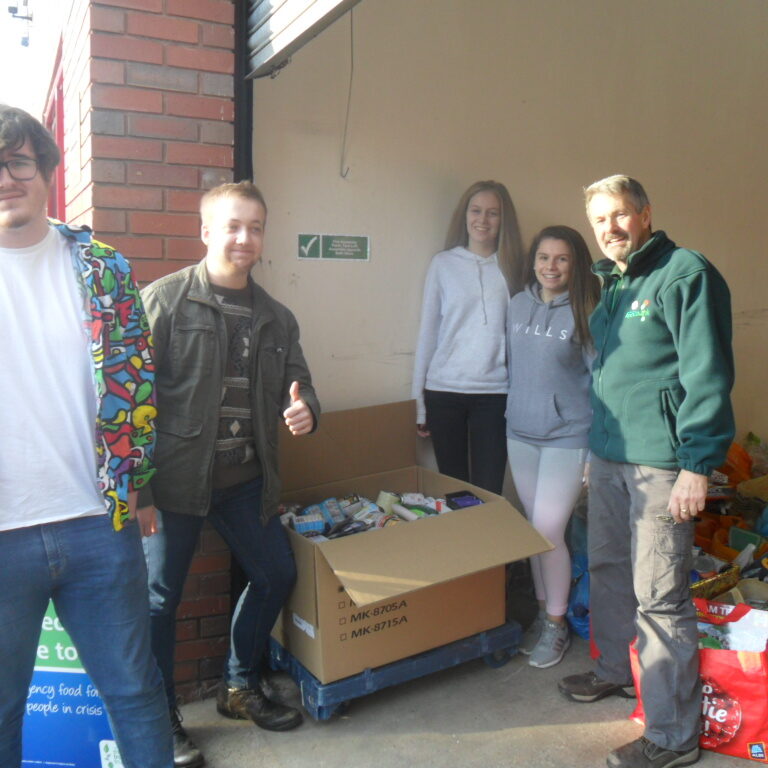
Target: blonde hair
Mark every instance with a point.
(510, 244)
(244, 189)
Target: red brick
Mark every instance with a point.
(191, 589)
(137, 247)
(199, 154)
(209, 10)
(200, 59)
(107, 19)
(211, 541)
(162, 27)
(214, 584)
(206, 563)
(128, 197)
(206, 606)
(133, 99)
(213, 626)
(108, 221)
(205, 107)
(164, 78)
(212, 177)
(217, 133)
(165, 224)
(163, 127)
(141, 5)
(127, 149)
(177, 249)
(182, 200)
(107, 71)
(157, 174)
(187, 630)
(185, 671)
(219, 36)
(211, 668)
(126, 48)
(108, 171)
(150, 270)
(202, 649)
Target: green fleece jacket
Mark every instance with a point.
(662, 377)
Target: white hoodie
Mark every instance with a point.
(461, 345)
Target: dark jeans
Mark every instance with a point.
(261, 550)
(469, 435)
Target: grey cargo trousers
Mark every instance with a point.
(639, 565)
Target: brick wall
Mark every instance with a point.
(148, 117)
(150, 89)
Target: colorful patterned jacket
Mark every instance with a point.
(123, 369)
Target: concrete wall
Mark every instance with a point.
(544, 95)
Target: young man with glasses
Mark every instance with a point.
(77, 394)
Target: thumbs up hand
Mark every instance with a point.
(298, 416)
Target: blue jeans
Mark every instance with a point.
(98, 583)
(262, 551)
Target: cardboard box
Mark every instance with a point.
(375, 597)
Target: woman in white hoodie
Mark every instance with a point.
(549, 350)
(460, 372)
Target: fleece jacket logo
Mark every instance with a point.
(639, 309)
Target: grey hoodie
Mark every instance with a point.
(461, 336)
(549, 372)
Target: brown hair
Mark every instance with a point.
(245, 189)
(509, 246)
(18, 126)
(583, 284)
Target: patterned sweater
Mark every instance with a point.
(123, 369)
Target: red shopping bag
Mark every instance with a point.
(734, 697)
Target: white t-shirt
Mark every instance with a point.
(47, 395)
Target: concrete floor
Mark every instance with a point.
(470, 716)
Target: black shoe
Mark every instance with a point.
(185, 751)
(588, 687)
(272, 689)
(642, 753)
(251, 703)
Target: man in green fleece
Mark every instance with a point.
(662, 421)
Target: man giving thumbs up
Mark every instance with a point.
(229, 367)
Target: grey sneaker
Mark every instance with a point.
(642, 753)
(533, 633)
(553, 643)
(588, 687)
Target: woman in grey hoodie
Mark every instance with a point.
(460, 371)
(549, 355)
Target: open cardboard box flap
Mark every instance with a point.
(361, 441)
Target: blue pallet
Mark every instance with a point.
(322, 700)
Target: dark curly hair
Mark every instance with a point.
(17, 126)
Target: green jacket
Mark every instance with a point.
(190, 344)
(664, 367)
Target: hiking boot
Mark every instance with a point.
(251, 703)
(552, 645)
(533, 633)
(185, 752)
(588, 687)
(642, 753)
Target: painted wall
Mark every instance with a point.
(544, 95)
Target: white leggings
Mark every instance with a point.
(548, 482)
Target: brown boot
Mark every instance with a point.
(251, 703)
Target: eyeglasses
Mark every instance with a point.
(20, 168)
